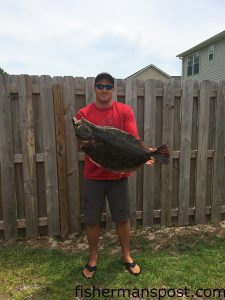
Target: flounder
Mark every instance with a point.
(115, 149)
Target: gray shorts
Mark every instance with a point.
(95, 192)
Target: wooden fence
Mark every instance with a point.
(41, 169)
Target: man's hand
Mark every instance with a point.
(151, 161)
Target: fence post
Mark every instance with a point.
(50, 161)
(7, 162)
(149, 138)
(202, 154)
(29, 156)
(185, 151)
(167, 138)
(131, 99)
(72, 155)
(218, 157)
(61, 158)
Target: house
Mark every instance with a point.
(150, 72)
(205, 60)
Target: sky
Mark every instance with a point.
(83, 37)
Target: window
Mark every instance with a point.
(211, 52)
(193, 64)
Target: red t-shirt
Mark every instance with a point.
(120, 116)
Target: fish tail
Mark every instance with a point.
(161, 155)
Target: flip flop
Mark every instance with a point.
(130, 266)
(90, 269)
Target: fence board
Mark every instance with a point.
(167, 138)
(120, 90)
(17, 149)
(50, 162)
(194, 147)
(185, 151)
(149, 138)
(7, 162)
(176, 162)
(131, 99)
(203, 132)
(109, 222)
(115, 90)
(158, 141)
(89, 90)
(1, 212)
(61, 159)
(218, 158)
(140, 127)
(38, 133)
(29, 158)
(72, 155)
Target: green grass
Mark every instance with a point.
(39, 273)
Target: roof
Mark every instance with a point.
(176, 77)
(207, 42)
(150, 66)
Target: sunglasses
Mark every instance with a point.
(100, 86)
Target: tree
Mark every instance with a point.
(2, 71)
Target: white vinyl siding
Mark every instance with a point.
(209, 69)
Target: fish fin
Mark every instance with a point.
(142, 144)
(97, 164)
(162, 155)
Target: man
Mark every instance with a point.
(99, 182)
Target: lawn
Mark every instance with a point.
(178, 258)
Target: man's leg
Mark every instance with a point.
(117, 194)
(123, 231)
(94, 192)
(93, 232)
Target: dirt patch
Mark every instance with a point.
(154, 237)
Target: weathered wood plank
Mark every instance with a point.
(58, 102)
(185, 151)
(115, 90)
(203, 132)
(49, 155)
(109, 222)
(176, 162)
(1, 212)
(158, 141)
(89, 90)
(38, 134)
(131, 100)
(28, 149)
(218, 158)
(17, 149)
(211, 140)
(140, 127)
(6, 162)
(194, 147)
(149, 138)
(176, 146)
(167, 138)
(72, 155)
